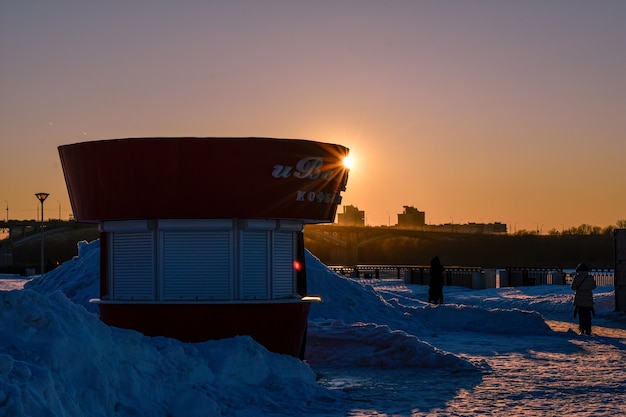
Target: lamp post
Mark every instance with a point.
(42, 197)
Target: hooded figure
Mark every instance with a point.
(435, 287)
(583, 284)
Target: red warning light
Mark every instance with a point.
(297, 265)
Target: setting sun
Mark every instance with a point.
(348, 162)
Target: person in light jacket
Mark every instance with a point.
(583, 284)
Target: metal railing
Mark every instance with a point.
(519, 277)
(472, 277)
(410, 274)
(602, 276)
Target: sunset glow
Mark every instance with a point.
(475, 111)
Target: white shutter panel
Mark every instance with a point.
(282, 259)
(132, 265)
(197, 265)
(253, 272)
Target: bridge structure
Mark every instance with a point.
(18, 229)
(16, 233)
(346, 241)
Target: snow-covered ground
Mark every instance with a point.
(374, 348)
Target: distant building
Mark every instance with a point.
(478, 228)
(496, 227)
(412, 218)
(351, 216)
(482, 228)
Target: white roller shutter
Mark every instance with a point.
(196, 265)
(282, 261)
(254, 264)
(202, 260)
(132, 266)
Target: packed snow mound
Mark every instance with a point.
(342, 298)
(365, 345)
(558, 301)
(354, 302)
(78, 278)
(59, 360)
(459, 317)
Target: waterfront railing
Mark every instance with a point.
(473, 277)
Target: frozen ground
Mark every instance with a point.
(375, 348)
(538, 373)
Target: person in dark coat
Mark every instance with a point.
(435, 287)
(583, 284)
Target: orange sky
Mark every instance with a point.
(473, 111)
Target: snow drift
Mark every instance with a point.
(59, 359)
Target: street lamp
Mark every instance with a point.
(42, 197)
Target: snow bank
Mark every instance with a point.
(57, 358)
(365, 345)
(78, 278)
(343, 298)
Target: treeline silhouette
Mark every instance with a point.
(583, 229)
(478, 250)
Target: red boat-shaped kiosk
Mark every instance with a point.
(201, 238)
